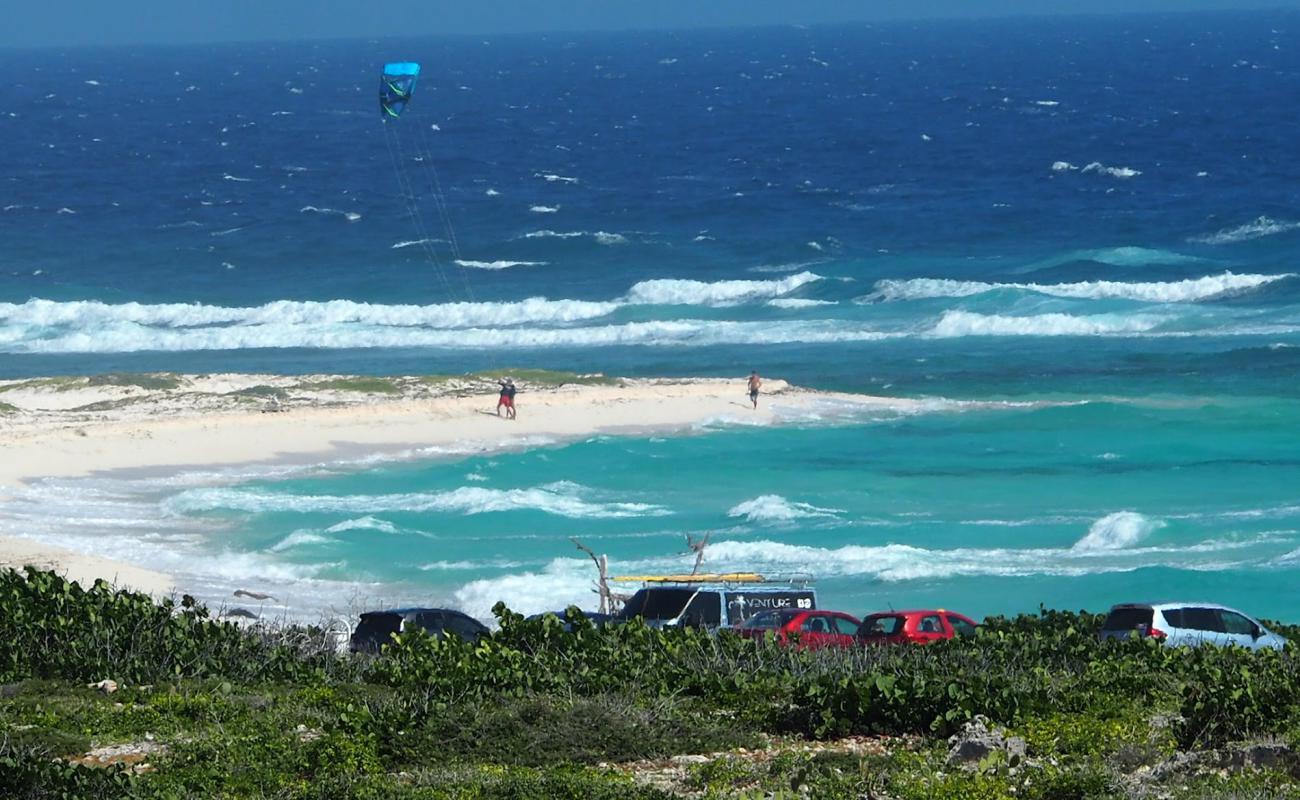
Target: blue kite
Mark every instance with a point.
(396, 87)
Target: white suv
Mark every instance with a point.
(1189, 624)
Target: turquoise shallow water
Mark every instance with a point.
(989, 508)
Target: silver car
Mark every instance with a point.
(1189, 624)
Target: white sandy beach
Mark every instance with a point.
(71, 427)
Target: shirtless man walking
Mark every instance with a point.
(754, 383)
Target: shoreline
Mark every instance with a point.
(166, 423)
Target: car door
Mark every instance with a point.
(930, 628)
(430, 621)
(960, 626)
(846, 630)
(816, 632)
(1203, 626)
(1238, 629)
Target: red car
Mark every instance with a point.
(809, 630)
(917, 626)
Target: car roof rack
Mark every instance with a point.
(730, 578)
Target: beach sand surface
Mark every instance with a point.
(67, 427)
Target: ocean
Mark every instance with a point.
(1075, 238)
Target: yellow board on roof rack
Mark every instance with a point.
(725, 577)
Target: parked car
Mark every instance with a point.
(378, 627)
(712, 605)
(594, 617)
(810, 630)
(1188, 624)
(915, 626)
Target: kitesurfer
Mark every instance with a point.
(507, 397)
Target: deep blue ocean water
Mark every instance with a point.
(1087, 227)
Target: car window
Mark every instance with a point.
(929, 624)
(815, 623)
(845, 626)
(1174, 617)
(1202, 619)
(882, 625)
(1236, 623)
(376, 628)
(462, 626)
(766, 620)
(431, 621)
(1127, 618)
(960, 626)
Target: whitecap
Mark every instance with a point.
(350, 216)
(773, 508)
(1258, 228)
(1117, 531)
(1191, 290)
(1114, 172)
(544, 209)
(495, 265)
(229, 177)
(562, 499)
(955, 324)
(551, 177)
(414, 242)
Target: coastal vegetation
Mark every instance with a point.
(108, 693)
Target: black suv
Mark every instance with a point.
(378, 627)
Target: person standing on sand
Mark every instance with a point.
(754, 383)
(507, 398)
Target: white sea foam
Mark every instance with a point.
(562, 583)
(350, 216)
(65, 210)
(1117, 531)
(366, 523)
(229, 177)
(1256, 229)
(601, 237)
(1062, 166)
(544, 209)
(773, 508)
(413, 243)
(964, 323)
(492, 193)
(497, 264)
(551, 177)
(300, 538)
(563, 499)
(717, 293)
(1114, 172)
(798, 302)
(1185, 291)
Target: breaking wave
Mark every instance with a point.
(964, 323)
(601, 237)
(771, 508)
(1256, 229)
(562, 499)
(1186, 291)
(1117, 531)
(718, 293)
(498, 264)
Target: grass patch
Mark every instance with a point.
(7, 408)
(155, 381)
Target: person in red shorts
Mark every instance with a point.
(507, 398)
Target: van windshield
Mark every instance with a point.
(695, 607)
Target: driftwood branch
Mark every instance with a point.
(697, 546)
(607, 598)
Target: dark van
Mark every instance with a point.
(713, 605)
(377, 628)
